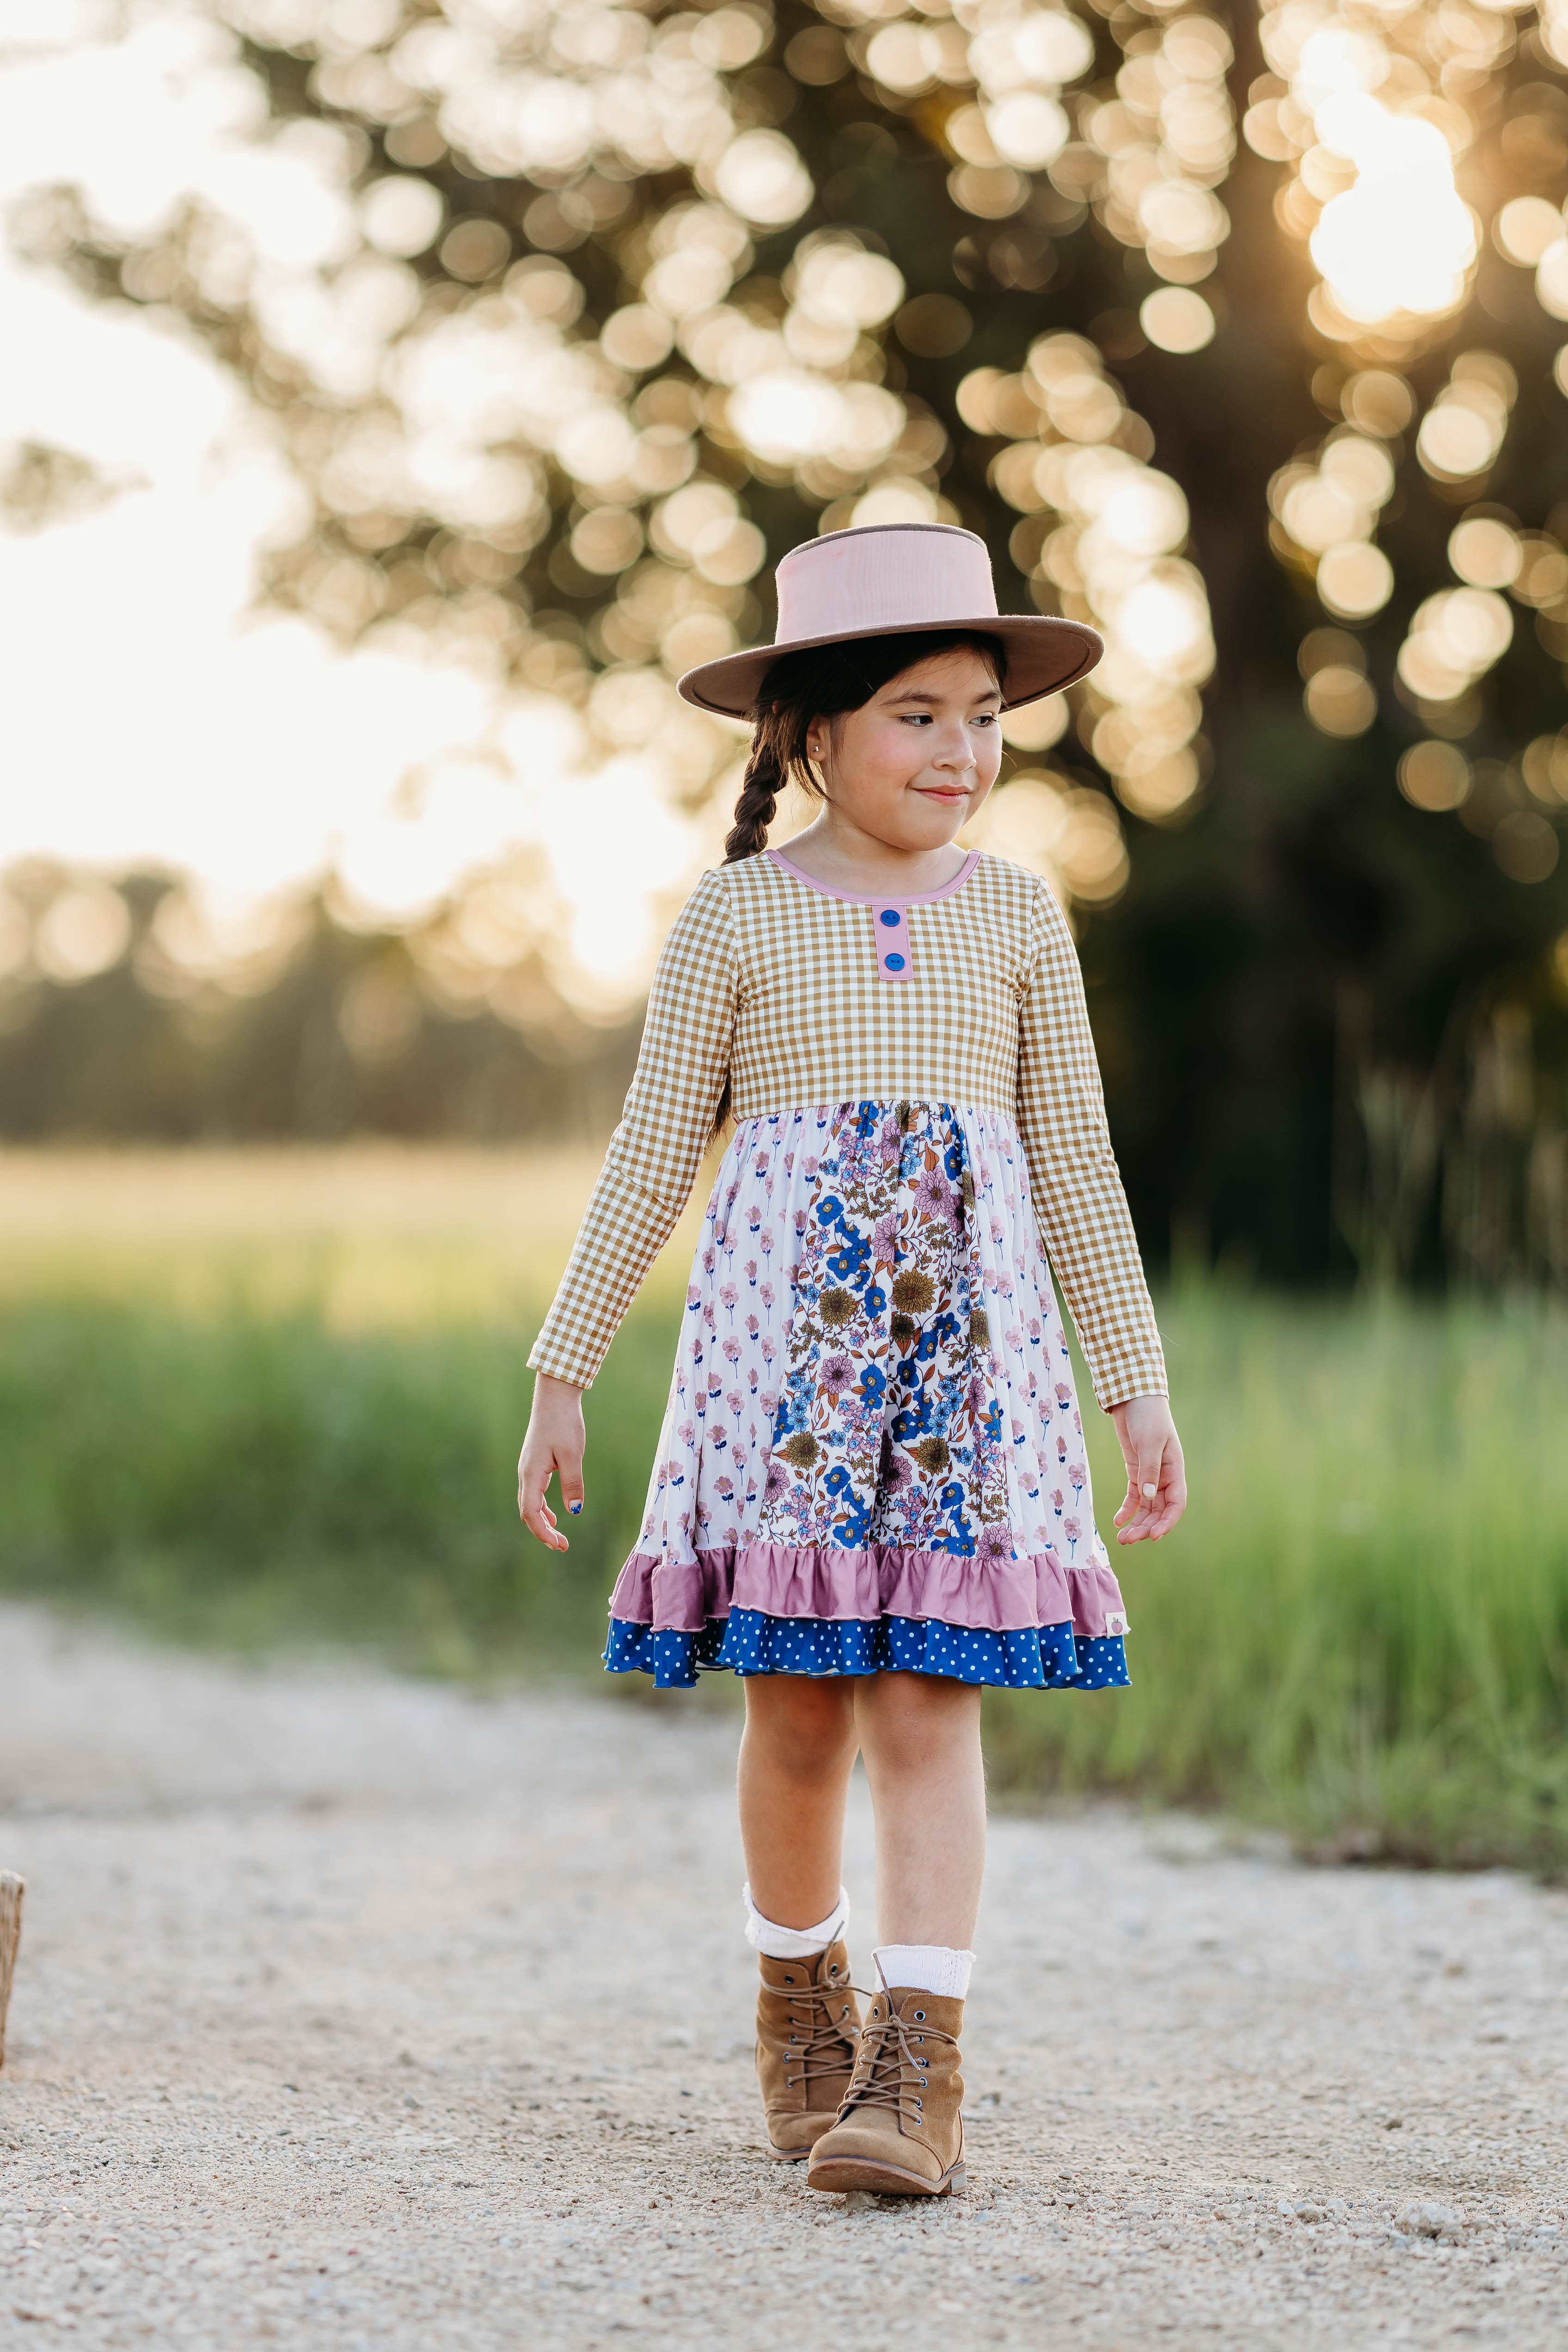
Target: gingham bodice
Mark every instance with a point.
(969, 995)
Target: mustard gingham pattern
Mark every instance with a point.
(776, 983)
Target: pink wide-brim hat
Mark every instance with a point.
(887, 580)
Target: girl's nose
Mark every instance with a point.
(956, 751)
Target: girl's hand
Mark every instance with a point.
(554, 1443)
(1156, 1474)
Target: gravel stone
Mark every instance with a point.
(363, 2013)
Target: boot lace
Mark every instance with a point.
(888, 2071)
(827, 2038)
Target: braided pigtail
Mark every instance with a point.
(758, 804)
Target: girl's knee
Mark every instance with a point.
(805, 1729)
(909, 1721)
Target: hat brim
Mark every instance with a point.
(1044, 653)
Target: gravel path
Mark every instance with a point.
(358, 2012)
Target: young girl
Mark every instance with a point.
(871, 1497)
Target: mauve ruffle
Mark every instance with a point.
(824, 1581)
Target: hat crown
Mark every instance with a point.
(883, 576)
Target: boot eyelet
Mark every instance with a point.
(920, 2015)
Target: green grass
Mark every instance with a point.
(1359, 1634)
(1359, 1631)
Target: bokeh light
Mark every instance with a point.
(1103, 542)
(1434, 776)
(1485, 552)
(1176, 318)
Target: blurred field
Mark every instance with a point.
(252, 1397)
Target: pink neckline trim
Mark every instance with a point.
(864, 898)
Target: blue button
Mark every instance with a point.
(889, 916)
(894, 962)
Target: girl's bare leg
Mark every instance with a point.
(919, 1735)
(797, 1755)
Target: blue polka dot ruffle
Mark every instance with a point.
(1049, 1657)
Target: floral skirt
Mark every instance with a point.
(872, 1456)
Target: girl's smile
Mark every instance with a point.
(902, 775)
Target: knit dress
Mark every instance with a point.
(872, 1455)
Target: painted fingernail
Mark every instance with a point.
(575, 1507)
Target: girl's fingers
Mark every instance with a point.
(571, 1476)
(533, 1510)
(1143, 1479)
(1169, 1502)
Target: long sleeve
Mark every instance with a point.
(1080, 1204)
(657, 1148)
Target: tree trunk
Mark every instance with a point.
(12, 1889)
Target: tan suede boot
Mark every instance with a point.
(808, 2022)
(899, 2131)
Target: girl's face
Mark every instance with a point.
(912, 765)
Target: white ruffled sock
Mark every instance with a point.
(925, 1967)
(793, 1943)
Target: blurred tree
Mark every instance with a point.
(626, 300)
(118, 1020)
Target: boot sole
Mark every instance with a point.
(841, 2172)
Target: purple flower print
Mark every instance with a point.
(769, 1401)
(932, 1193)
(767, 1243)
(810, 1164)
(709, 1261)
(727, 1298)
(996, 1546)
(759, 1164)
(836, 1375)
(753, 1326)
(1077, 1422)
(1013, 1338)
(718, 1437)
(731, 1351)
(1061, 1449)
(1072, 1530)
(752, 1272)
(766, 1294)
(800, 1224)
(775, 1483)
(709, 1318)
(769, 1349)
(1057, 1500)
(687, 1434)
(1077, 1474)
(733, 1402)
(1033, 1330)
(693, 1297)
(725, 1486)
(1064, 1396)
(996, 1234)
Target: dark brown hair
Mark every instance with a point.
(823, 682)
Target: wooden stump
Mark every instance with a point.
(12, 1890)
